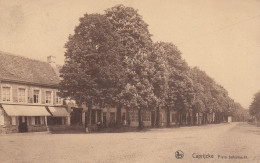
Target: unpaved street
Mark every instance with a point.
(235, 142)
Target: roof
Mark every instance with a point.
(25, 70)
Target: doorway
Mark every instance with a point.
(153, 118)
(76, 116)
(23, 124)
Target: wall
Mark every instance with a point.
(29, 93)
(58, 127)
(37, 128)
(8, 129)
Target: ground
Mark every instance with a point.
(219, 141)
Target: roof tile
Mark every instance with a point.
(21, 69)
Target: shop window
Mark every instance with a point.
(21, 95)
(36, 96)
(133, 116)
(55, 120)
(6, 94)
(37, 120)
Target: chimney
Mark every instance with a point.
(51, 60)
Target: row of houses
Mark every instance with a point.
(29, 101)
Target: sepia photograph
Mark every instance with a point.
(134, 81)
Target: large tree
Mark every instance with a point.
(91, 73)
(135, 38)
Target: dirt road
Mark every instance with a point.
(235, 142)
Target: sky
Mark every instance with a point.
(221, 37)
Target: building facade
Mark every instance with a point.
(29, 98)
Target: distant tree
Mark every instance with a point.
(254, 108)
(239, 114)
(210, 97)
(172, 83)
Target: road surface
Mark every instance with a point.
(235, 142)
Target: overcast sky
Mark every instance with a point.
(221, 37)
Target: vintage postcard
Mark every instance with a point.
(129, 81)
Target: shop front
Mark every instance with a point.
(24, 118)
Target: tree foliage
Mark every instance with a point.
(254, 108)
(111, 60)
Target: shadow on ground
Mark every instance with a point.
(103, 130)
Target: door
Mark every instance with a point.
(23, 124)
(99, 116)
(112, 118)
(153, 118)
(86, 119)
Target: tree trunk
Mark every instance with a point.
(206, 118)
(157, 119)
(186, 119)
(118, 116)
(198, 119)
(168, 116)
(216, 117)
(192, 119)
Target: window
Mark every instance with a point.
(133, 116)
(48, 97)
(173, 117)
(6, 94)
(112, 117)
(36, 96)
(21, 95)
(55, 120)
(147, 116)
(58, 99)
(161, 117)
(37, 120)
